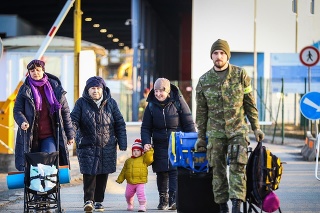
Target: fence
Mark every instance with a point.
(276, 102)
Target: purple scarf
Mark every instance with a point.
(54, 104)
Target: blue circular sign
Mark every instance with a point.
(310, 105)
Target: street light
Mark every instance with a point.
(140, 46)
(295, 10)
(128, 22)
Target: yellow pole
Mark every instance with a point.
(77, 46)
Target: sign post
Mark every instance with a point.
(310, 108)
(309, 56)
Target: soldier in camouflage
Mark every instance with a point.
(224, 102)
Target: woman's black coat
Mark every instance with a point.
(24, 111)
(158, 123)
(99, 132)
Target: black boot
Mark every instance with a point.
(172, 201)
(163, 201)
(224, 208)
(236, 203)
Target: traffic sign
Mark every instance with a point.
(310, 105)
(309, 56)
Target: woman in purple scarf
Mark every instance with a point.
(39, 105)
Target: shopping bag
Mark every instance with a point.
(182, 153)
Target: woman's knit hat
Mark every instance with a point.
(220, 45)
(35, 63)
(162, 83)
(137, 145)
(95, 81)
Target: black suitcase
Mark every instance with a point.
(194, 192)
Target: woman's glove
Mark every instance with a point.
(24, 126)
(259, 135)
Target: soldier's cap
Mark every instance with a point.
(220, 45)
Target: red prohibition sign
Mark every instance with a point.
(309, 56)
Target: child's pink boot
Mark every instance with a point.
(142, 206)
(130, 204)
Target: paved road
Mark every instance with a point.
(299, 189)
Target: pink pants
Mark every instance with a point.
(131, 189)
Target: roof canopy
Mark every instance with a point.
(57, 43)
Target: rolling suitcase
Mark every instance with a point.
(194, 184)
(194, 192)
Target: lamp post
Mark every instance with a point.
(295, 10)
(135, 5)
(255, 71)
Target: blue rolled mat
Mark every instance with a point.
(15, 180)
(64, 174)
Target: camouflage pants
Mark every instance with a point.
(217, 151)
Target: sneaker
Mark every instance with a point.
(88, 206)
(98, 207)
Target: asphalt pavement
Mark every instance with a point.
(298, 192)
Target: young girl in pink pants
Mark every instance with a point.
(135, 171)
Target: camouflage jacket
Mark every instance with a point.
(222, 106)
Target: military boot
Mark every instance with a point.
(236, 203)
(224, 208)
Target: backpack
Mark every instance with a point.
(264, 171)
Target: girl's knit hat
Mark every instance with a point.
(137, 145)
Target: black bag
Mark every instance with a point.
(194, 192)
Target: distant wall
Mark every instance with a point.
(233, 20)
(12, 25)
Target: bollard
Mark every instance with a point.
(309, 150)
(304, 149)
